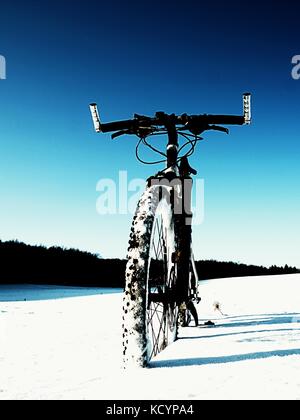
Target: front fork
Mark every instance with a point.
(183, 221)
(182, 199)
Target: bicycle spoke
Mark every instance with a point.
(161, 315)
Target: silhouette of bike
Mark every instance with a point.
(161, 281)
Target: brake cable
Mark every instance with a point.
(192, 140)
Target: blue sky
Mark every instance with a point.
(141, 57)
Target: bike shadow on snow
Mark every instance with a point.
(240, 323)
(223, 359)
(257, 320)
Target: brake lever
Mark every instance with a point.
(141, 132)
(121, 133)
(218, 128)
(197, 130)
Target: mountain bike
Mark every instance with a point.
(161, 281)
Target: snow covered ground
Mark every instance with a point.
(65, 343)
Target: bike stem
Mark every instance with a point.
(169, 121)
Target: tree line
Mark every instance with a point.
(27, 264)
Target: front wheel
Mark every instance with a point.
(150, 311)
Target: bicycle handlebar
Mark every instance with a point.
(188, 122)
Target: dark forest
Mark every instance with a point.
(26, 264)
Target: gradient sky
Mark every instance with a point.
(141, 57)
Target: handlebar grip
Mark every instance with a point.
(247, 108)
(109, 127)
(219, 119)
(96, 118)
(118, 126)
